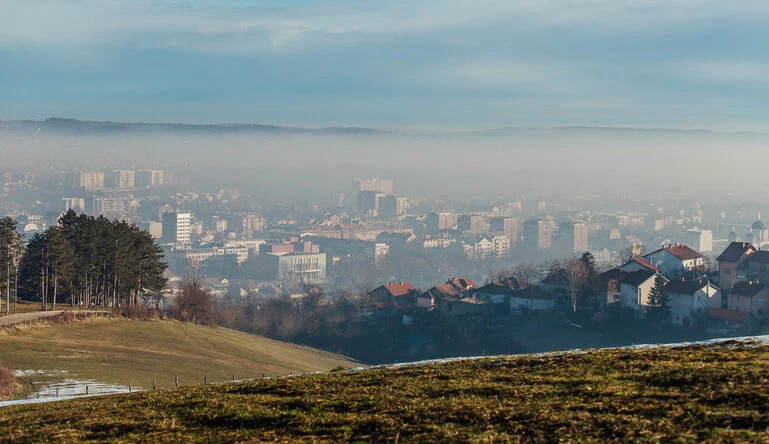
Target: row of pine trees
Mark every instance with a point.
(81, 261)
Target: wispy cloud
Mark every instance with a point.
(256, 26)
(346, 61)
(726, 71)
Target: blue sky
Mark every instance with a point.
(408, 64)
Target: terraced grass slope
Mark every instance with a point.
(119, 351)
(715, 392)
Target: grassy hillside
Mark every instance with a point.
(120, 351)
(691, 394)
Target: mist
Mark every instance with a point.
(501, 163)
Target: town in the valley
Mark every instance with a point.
(396, 277)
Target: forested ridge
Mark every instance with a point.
(81, 261)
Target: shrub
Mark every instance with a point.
(8, 385)
(194, 303)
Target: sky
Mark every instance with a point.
(425, 64)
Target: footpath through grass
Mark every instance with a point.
(119, 351)
(714, 393)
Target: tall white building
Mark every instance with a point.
(700, 240)
(122, 178)
(76, 204)
(88, 180)
(149, 178)
(375, 185)
(176, 228)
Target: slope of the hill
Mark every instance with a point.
(707, 392)
(119, 351)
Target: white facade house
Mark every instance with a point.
(635, 289)
(675, 259)
(690, 300)
(531, 299)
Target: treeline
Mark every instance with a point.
(11, 253)
(87, 261)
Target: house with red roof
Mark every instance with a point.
(394, 295)
(675, 259)
(437, 294)
(454, 289)
(638, 263)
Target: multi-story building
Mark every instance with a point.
(373, 184)
(88, 180)
(574, 237)
(435, 222)
(402, 205)
(502, 245)
(505, 225)
(74, 203)
(149, 178)
(219, 224)
(293, 267)
(471, 224)
(121, 178)
(538, 233)
(252, 222)
(367, 201)
(111, 206)
(176, 228)
(387, 207)
(700, 240)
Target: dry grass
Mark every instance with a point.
(120, 351)
(706, 393)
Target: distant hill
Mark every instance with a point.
(698, 393)
(119, 351)
(66, 126)
(58, 125)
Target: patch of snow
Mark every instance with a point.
(67, 388)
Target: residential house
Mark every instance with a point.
(531, 300)
(494, 292)
(556, 281)
(635, 289)
(724, 321)
(638, 263)
(754, 267)
(462, 284)
(608, 292)
(454, 288)
(690, 300)
(749, 297)
(480, 248)
(728, 261)
(673, 260)
(435, 295)
(394, 295)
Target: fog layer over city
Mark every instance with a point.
(634, 162)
